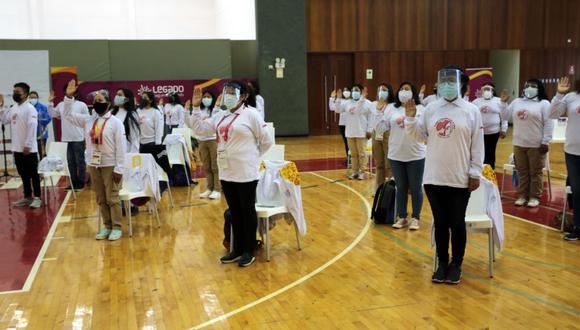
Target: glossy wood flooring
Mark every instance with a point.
(350, 274)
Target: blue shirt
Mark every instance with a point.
(43, 120)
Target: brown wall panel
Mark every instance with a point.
(548, 64)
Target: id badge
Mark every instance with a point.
(96, 157)
(222, 160)
(378, 137)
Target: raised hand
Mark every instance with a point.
(218, 103)
(160, 102)
(197, 96)
(422, 90)
(504, 95)
(365, 92)
(339, 93)
(410, 108)
(51, 96)
(1, 100)
(333, 93)
(71, 88)
(188, 104)
(563, 85)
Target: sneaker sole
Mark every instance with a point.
(453, 282)
(413, 228)
(248, 263)
(570, 239)
(434, 280)
(230, 261)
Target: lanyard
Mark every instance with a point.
(98, 131)
(226, 129)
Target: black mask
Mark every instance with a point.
(100, 108)
(144, 103)
(17, 97)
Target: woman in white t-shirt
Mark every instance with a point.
(380, 139)
(152, 128)
(174, 112)
(406, 156)
(345, 92)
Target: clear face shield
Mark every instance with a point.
(382, 93)
(100, 96)
(230, 96)
(449, 84)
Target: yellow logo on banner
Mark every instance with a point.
(136, 161)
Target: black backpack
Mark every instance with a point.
(383, 211)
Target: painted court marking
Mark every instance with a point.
(307, 276)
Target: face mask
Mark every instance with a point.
(119, 100)
(530, 92)
(346, 94)
(448, 91)
(487, 95)
(405, 96)
(383, 94)
(230, 101)
(17, 97)
(144, 103)
(100, 108)
(355, 95)
(207, 101)
(34, 101)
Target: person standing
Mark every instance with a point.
(380, 138)
(43, 121)
(341, 117)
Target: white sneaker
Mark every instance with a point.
(534, 202)
(353, 176)
(400, 223)
(36, 203)
(361, 176)
(205, 194)
(414, 224)
(215, 195)
(520, 201)
(22, 202)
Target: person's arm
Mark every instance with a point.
(120, 149)
(44, 116)
(558, 106)
(158, 126)
(548, 124)
(202, 126)
(384, 123)
(477, 149)
(261, 132)
(505, 111)
(31, 129)
(181, 116)
(416, 126)
(260, 106)
(77, 119)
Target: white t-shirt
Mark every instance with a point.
(174, 115)
(376, 115)
(531, 120)
(357, 116)
(134, 134)
(23, 120)
(151, 124)
(453, 133)
(429, 99)
(69, 132)
(205, 114)
(260, 106)
(569, 105)
(402, 146)
(491, 115)
(341, 116)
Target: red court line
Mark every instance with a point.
(22, 234)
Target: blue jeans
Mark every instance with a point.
(75, 155)
(409, 176)
(573, 168)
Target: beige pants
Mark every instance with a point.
(380, 152)
(208, 154)
(107, 192)
(529, 163)
(358, 147)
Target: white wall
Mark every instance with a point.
(128, 19)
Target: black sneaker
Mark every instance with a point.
(246, 260)
(573, 236)
(454, 274)
(440, 274)
(230, 258)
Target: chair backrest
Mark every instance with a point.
(134, 162)
(476, 204)
(559, 133)
(270, 124)
(272, 131)
(176, 154)
(276, 152)
(58, 149)
(186, 133)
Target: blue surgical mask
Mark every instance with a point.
(207, 101)
(230, 101)
(383, 94)
(34, 101)
(119, 100)
(530, 92)
(355, 95)
(448, 90)
(405, 96)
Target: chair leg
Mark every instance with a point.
(297, 236)
(490, 238)
(267, 238)
(72, 187)
(549, 185)
(170, 195)
(128, 213)
(156, 214)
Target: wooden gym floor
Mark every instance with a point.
(350, 273)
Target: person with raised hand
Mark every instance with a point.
(567, 103)
(345, 95)
(106, 148)
(380, 138)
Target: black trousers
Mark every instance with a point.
(448, 205)
(490, 143)
(241, 198)
(343, 134)
(27, 166)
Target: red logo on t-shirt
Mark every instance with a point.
(401, 121)
(578, 110)
(352, 110)
(522, 114)
(14, 116)
(444, 127)
(484, 109)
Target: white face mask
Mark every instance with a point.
(487, 94)
(346, 94)
(230, 101)
(405, 96)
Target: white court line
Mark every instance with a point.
(42, 252)
(307, 276)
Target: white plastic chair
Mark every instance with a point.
(127, 194)
(186, 133)
(369, 155)
(163, 177)
(276, 152)
(264, 215)
(477, 221)
(58, 149)
(177, 156)
(559, 133)
(567, 192)
(511, 167)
